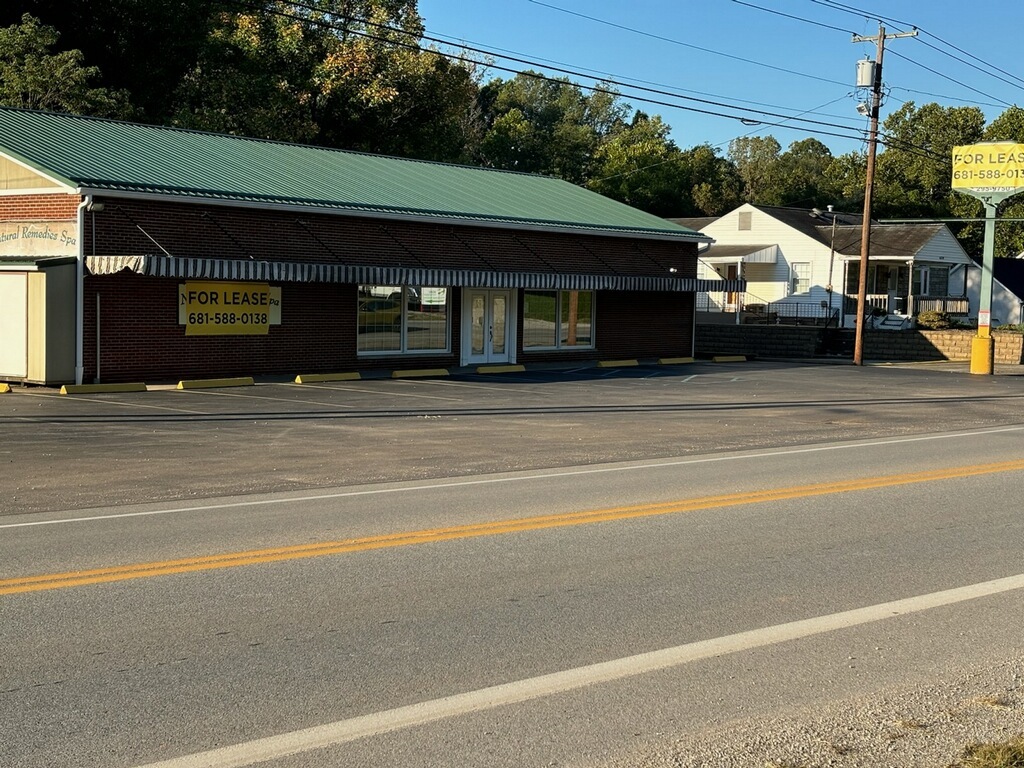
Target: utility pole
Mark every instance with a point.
(869, 184)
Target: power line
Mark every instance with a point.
(562, 70)
(859, 134)
(611, 76)
(687, 45)
(795, 18)
(835, 5)
(951, 79)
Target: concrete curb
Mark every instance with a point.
(416, 374)
(243, 381)
(5, 388)
(91, 389)
(676, 360)
(501, 369)
(729, 359)
(316, 378)
(617, 363)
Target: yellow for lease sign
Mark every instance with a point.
(228, 309)
(996, 166)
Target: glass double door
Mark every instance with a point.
(487, 330)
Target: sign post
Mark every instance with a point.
(991, 172)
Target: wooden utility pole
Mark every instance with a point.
(869, 185)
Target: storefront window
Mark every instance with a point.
(558, 319)
(394, 319)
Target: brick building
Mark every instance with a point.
(139, 253)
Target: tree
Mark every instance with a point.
(33, 77)
(802, 175)
(642, 167)
(913, 172)
(540, 125)
(757, 159)
(141, 47)
(342, 73)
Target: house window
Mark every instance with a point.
(398, 319)
(558, 319)
(922, 281)
(801, 277)
(745, 217)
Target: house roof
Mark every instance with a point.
(120, 158)
(886, 239)
(809, 221)
(1009, 271)
(696, 223)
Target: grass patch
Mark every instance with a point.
(1007, 754)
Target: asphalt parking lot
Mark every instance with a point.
(78, 451)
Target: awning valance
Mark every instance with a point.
(294, 272)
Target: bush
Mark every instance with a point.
(933, 320)
(1011, 328)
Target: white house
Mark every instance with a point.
(804, 265)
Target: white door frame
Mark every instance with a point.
(14, 330)
(489, 356)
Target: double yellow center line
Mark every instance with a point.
(432, 535)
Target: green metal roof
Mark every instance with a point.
(112, 156)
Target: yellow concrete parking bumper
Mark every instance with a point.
(242, 381)
(319, 378)
(92, 389)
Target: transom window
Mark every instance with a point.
(558, 319)
(402, 319)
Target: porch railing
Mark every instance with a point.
(754, 310)
(790, 313)
(951, 305)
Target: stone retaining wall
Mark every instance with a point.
(758, 340)
(938, 345)
(793, 342)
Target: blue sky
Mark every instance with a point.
(664, 51)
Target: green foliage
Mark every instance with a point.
(934, 320)
(540, 125)
(34, 77)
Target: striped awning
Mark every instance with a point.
(294, 272)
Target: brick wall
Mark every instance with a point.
(140, 338)
(204, 231)
(43, 207)
(631, 325)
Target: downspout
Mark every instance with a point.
(80, 292)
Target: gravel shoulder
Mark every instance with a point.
(924, 726)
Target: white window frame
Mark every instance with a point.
(403, 348)
(795, 277)
(559, 347)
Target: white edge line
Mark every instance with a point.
(342, 731)
(516, 479)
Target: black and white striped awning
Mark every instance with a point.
(293, 272)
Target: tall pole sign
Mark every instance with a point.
(991, 172)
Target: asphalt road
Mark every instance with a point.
(726, 542)
(75, 452)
